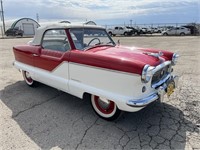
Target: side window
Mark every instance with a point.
(56, 39)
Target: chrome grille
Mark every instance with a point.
(160, 75)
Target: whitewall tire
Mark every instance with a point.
(107, 110)
(27, 78)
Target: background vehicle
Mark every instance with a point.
(155, 30)
(193, 29)
(134, 31)
(145, 31)
(14, 32)
(120, 31)
(177, 31)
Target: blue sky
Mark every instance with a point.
(106, 12)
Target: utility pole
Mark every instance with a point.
(37, 17)
(2, 17)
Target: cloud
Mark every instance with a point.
(95, 9)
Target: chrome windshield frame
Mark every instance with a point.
(110, 40)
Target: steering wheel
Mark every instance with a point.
(93, 40)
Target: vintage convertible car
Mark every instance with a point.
(84, 61)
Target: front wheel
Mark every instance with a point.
(165, 34)
(27, 78)
(104, 108)
(125, 33)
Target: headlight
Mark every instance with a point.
(147, 73)
(174, 58)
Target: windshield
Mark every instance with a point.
(86, 38)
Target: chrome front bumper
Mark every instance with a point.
(158, 95)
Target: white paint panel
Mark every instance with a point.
(113, 81)
(112, 85)
(57, 79)
(116, 86)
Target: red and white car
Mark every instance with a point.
(84, 61)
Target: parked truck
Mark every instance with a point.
(120, 31)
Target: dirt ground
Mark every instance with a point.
(45, 118)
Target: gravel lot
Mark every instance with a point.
(45, 118)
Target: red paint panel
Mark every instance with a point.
(25, 53)
(106, 62)
(50, 59)
(114, 58)
(118, 58)
(44, 59)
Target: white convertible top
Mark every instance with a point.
(40, 31)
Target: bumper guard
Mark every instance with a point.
(161, 91)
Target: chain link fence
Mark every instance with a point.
(195, 28)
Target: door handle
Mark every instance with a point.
(35, 55)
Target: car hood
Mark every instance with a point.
(120, 58)
(133, 54)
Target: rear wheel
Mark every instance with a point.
(104, 108)
(27, 78)
(182, 34)
(110, 33)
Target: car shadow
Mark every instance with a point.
(52, 118)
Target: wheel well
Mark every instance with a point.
(86, 96)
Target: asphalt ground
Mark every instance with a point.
(45, 118)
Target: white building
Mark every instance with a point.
(28, 25)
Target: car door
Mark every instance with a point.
(116, 30)
(52, 62)
(172, 31)
(178, 31)
(121, 30)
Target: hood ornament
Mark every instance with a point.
(156, 55)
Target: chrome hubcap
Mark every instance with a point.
(28, 75)
(103, 104)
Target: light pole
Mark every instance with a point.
(131, 22)
(2, 16)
